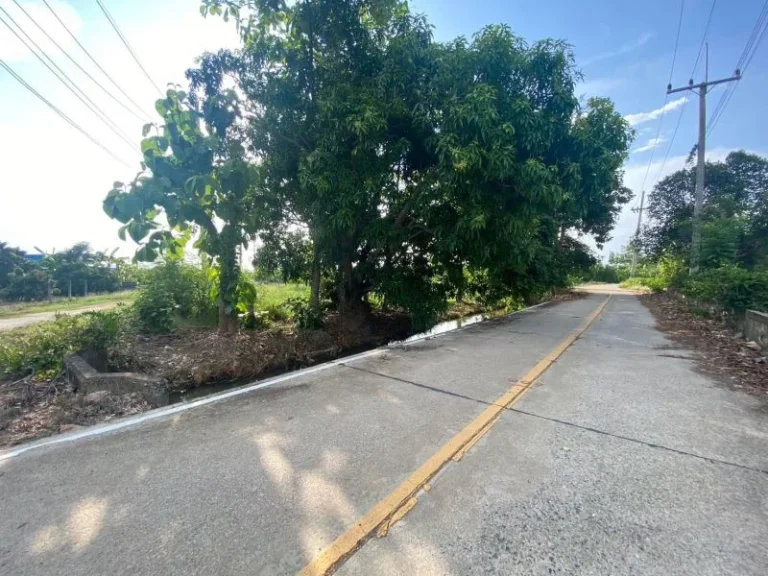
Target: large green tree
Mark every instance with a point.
(411, 161)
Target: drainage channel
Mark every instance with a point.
(177, 397)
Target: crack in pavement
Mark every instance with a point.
(561, 422)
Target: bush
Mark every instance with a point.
(306, 316)
(174, 289)
(729, 287)
(602, 273)
(276, 312)
(154, 307)
(42, 348)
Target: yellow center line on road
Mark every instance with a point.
(346, 544)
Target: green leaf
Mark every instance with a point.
(146, 254)
(145, 129)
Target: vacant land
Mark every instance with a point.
(14, 310)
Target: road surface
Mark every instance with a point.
(37, 317)
(582, 450)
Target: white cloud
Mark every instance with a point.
(624, 49)
(649, 145)
(641, 117)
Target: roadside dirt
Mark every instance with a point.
(722, 353)
(187, 358)
(30, 409)
(194, 357)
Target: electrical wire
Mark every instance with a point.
(79, 67)
(66, 80)
(703, 38)
(693, 73)
(753, 36)
(750, 49)
(62, 115)
(666, 96)
(95, 62)
(127, 45)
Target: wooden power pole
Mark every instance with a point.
(702, 88)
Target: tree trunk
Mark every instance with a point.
(227, 322)
(563, 236)
(69, 290)
(351, 301)
(315, 277)
(86, 288)
(229, 272)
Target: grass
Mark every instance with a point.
(273, 295)
(63, 305)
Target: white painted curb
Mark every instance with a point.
(131, 421)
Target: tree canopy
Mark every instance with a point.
(734, 215)
(414, 166)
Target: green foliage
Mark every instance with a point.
(132, 275)
(154, 308)
(603, 273)
(734, 215)
(11, 260)
(198, 176)
(720, 239)
(42, 348)
(730, 288)
(667, 272)
(27, 285)
(306, 316)
(72, 272)
(172, 289)
(284, 255)
(410, 161)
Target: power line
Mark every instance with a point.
(703, 38)
(750, 49)
(83, 70)
(693, 73)
(642, 207)
(87, 53)
(64, 79)
(757, 43)
(666, 97)
(62, 115)
(753, 36)
(127, 45)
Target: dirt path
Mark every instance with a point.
(37, 317)
(602, 288)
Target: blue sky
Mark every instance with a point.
(54, 180)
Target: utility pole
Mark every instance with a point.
(637, 231)
(702, 88)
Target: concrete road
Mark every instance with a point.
(37, 317)
(619, 459)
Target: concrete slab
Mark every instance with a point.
(260, 483)
(539, 496)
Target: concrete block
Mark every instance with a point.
(87, 380)
(756, 327)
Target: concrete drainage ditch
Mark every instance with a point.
(87, 372)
